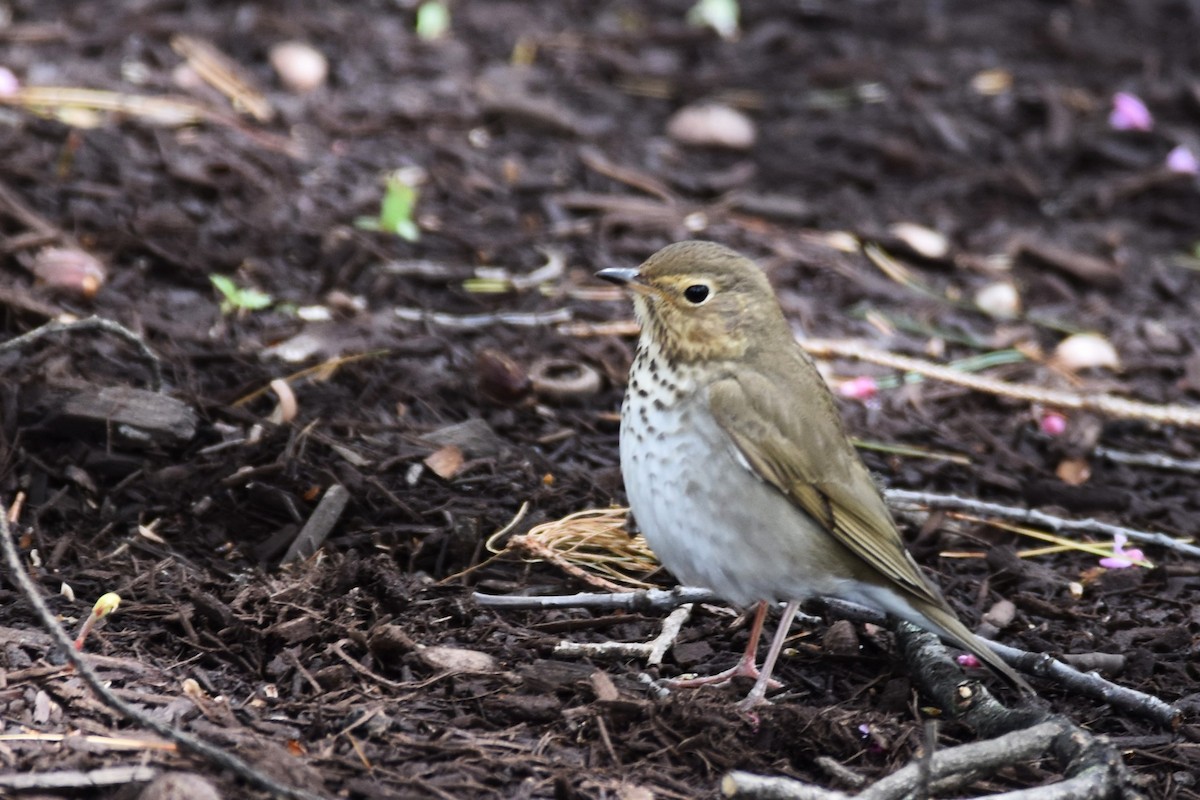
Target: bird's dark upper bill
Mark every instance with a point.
(619, 275)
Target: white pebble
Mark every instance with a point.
(712, 125)
(301, 67)
(1084, 351)
(999, 300)
(924, 241)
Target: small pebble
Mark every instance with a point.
(999, 300)
(70, 270)
(1085, 351)
(301, 67)
(712, 125)
(924, 241)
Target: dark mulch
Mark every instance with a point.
(866, 116)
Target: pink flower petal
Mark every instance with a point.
(860, 388)
(1115, 563)
(9, 85)
(1183, 160)
(1053, 423)
(968, 660)
(1130, 113)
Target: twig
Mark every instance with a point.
(643, 600)
(978, 757)
(944, 502)
(520, 319)
(78, 779)
(98, 686)
(93, 323)
(1087, 684)
(223, 74)
(320, 523)
(1095, 766)
(167, 111)
(1090, 684)
(1105, 404)
(1156, 460)
(653, 650)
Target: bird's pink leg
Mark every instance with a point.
(758, 695)
(746, 667)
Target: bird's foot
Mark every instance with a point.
(756, 699)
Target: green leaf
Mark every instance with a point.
(235, 298)
(396, 210)
(433, 20)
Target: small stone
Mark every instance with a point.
(924, 241)
(999, 300)
(712, 125)
(1085, 351)
(301, 67)
(70, 270)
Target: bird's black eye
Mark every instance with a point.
(696, 293)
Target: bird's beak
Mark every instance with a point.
(623, 276)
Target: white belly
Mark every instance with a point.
(709, 520)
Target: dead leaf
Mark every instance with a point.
(1074, 471)
(445, 462)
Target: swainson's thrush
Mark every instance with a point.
(737, 467)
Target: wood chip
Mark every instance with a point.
(458, 659)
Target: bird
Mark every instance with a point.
(738, 469)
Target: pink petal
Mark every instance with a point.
(1183, 160)
(1130, 113)
(860, 388)
(1053, 423)
(9, 85)
(1115, 563)
(968, 660)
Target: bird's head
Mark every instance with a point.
(700, 301)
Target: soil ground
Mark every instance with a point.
(541, 132)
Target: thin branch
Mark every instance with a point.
(652, 651)
(945, 502)
(642, 600)
(1104, 404)
(1013, 735)
(1155, 460)
(1087, 684)
(93, 323)
(85, 671)
(520, 319)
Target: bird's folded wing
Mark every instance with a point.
(797, 450)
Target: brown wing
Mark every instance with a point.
(786, 426)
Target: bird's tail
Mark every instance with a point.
(943, 622)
